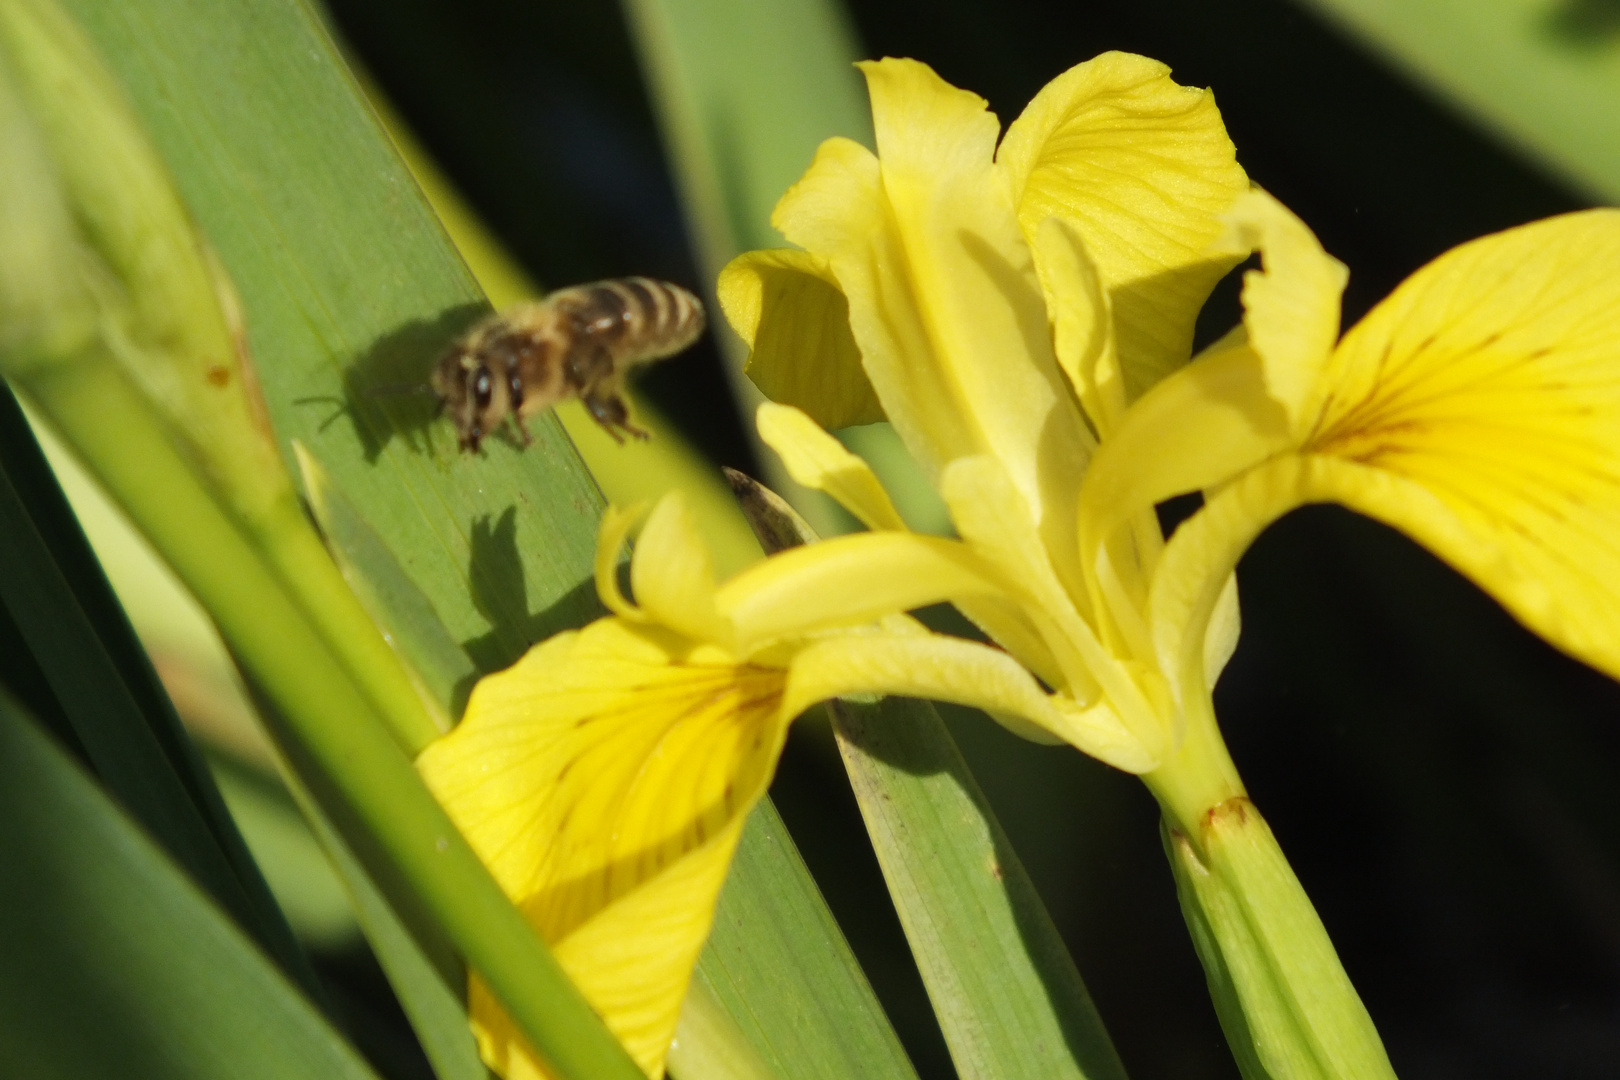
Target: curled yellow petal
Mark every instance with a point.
(1477, 409)
(604, 779)
(1291, 306)
(617, 523)
(672, 573)
(1486, 389)
(819, 461)
(787, 306)
(1144, 169)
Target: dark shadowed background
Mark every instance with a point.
(1442, 781)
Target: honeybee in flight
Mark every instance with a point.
(577, 342)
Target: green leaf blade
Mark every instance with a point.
(76, 632)
(115, 964)
(1009, 999)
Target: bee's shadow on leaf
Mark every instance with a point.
(500, 593)
(385, 389)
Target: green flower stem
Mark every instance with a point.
(1284, 1000)
(1201, 776)
(330, 718)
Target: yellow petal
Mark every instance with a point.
(1082, 322)
(603, 780)
(994, 521)
(787, 306)
(1194, 430)
(617, 523)
(1225, 626)
(1291, 307)
(1486, 388)
(943, 298)
(849, 581)
(819, 461)
(987, 511)
(672, 574)
(964, 672)
(1196, 570)
(1145, 170)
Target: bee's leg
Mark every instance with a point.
(608, 409)
(525, 439)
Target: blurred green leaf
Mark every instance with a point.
(1544, 76)
(80, 642)
(116, 965)
(298, 871)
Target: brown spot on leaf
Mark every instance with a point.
(218, 375)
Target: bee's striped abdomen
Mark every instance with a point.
(637, 319)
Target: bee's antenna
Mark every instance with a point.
(325, 399)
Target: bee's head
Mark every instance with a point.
(473, 396)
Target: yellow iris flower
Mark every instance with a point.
(1023, 315)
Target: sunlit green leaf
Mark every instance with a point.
(1545, 76)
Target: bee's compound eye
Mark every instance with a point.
(482, 386)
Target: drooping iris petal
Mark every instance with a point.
(1145, 170)
(1488, 386)
(603, 779)
(943, 299)
(787, 306)
(821, 463)
(1477, 409)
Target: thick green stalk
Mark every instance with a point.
(328, 714)
(1288, 1008)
